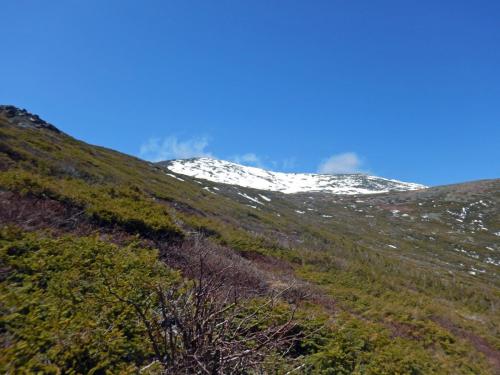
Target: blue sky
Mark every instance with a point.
(402, 89)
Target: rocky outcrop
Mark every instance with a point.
(23, 118)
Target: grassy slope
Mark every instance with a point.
(415, 304)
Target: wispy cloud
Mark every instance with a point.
(157, 149)
(248, 159)
(254, 160)
(348, 162)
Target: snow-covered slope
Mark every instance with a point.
(235, 174)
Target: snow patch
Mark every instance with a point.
(470, 254)
(208, 189)
(250, 198)
(490, 260)
(174, 176)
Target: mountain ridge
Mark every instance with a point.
(231, 173)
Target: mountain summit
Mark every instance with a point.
(226, 172)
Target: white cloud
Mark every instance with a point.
(252, 159)
(157, 149)
(248, 159)
(347, 162)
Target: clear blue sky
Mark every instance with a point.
(403, 89)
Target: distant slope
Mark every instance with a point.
(235, 174)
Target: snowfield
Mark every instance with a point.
(235, 174)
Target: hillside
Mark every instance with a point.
(397, 282)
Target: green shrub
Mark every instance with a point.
(57, 313)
